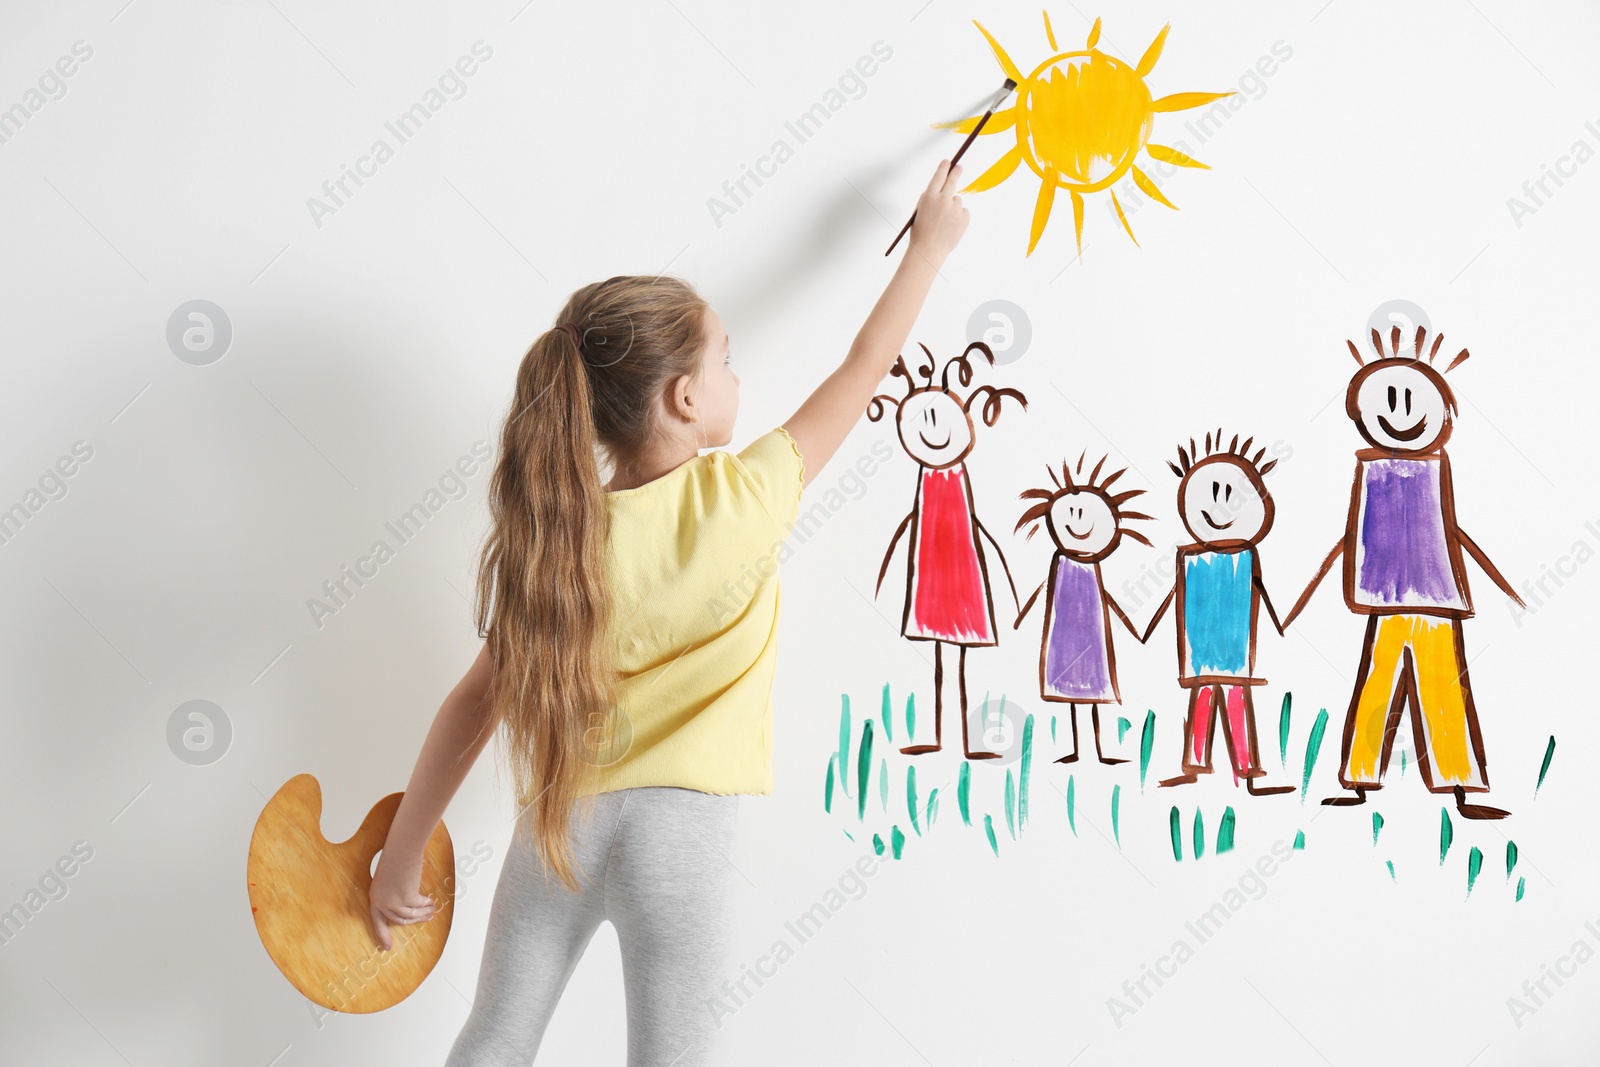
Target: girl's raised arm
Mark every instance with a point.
(821, 424)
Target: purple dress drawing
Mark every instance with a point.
(1076, 664)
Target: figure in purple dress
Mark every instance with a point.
(1077, 664)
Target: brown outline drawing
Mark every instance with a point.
(1190, 462)
(1456, 539)
(991, 414)
(1065, 487)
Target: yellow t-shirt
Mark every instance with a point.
(693, 570)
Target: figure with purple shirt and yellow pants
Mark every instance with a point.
(1403, 569)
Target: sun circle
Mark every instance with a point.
(1082, 118)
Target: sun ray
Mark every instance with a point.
(1172, 155)
(998, 172)
(1094, 35)
(1184, 101)
(1077, 221)
(1120, 215)
(1006, 65)
(1049, 33)
(999, 122)
(1041, 208)
(1148, 62)
(1149, 189)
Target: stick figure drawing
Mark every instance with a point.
(1403, 570)
(1218, 593)
(948, 599)
(1077, 664)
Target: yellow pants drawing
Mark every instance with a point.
(1414, 660)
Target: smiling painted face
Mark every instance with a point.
(1400, 405)
(1083, 524)
(935, 429)
(1223, 502)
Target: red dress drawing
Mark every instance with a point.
(948, 596)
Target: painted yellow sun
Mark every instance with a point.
(1081, 119)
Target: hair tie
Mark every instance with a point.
(572, 332)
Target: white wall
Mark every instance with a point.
(372, 347)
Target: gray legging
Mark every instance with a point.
(654, 861)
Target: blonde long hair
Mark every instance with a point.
(543, 598)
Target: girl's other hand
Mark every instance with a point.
(396, 898)
(941, 217)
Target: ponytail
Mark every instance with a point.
(543, 595)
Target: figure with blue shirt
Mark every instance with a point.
(1226, 508)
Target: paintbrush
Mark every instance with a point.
(1000, 98)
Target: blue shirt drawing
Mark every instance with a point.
(1216, 612)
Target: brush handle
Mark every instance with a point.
(973, 136)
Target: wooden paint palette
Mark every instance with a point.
(310, 902)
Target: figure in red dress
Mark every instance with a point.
(948, 600)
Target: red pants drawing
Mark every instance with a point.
(1238, 728)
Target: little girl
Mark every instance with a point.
(636, 704)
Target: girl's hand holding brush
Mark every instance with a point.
(941, 217)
